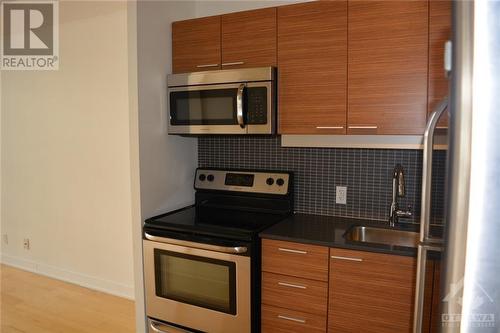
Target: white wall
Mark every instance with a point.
(66, 164)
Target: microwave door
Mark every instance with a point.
(207, 109)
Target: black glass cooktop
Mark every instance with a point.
(226, 223)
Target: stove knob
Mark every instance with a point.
(202, 177)
(269, 181)
(210, 178)
(280, 181)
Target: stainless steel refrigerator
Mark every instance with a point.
(470, 247)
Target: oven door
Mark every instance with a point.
(197, 288)
(236, 108)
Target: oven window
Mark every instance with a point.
(205, 282)
(204, 107)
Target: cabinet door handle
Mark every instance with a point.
(292, 251)
(363, 127)
(346, 258)
(207, 65)
(302, 321)
(298, 286)
(233, 63)
(329, 127)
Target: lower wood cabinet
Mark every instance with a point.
(310, 288)
(294, 287)
(281, 320)
(370, 292)
(294, 293)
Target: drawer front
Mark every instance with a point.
(295, 293)
(278, 320)
(295, 259)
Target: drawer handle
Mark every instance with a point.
(363, 127)
(207, 65)
(329, 127)
(346, 258)
(292, 285)
(292, 251)
(302, 321)
(233, 63)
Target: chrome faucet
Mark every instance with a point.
(398, 191)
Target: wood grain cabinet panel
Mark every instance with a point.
(370, 292)
(387, 67)
(279, 320)
(196, 44)
(439, 33)
(295, 259)
(436, 323)
(249, 39)
(295, 293)
(312, 67)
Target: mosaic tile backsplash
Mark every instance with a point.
(367, 173)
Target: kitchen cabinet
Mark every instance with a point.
(249, 39)
(294, 287)
(312, 67)
(196, 44)
(387, 67)
(243, 39)
(370, 292)
(295, 259)
(439, 33)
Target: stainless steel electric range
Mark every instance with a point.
(202, 262)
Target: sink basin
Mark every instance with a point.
(382, 236)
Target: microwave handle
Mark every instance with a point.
(239, 106)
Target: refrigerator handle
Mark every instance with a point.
(418, 316)
(427, 169)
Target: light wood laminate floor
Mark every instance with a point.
(32, 303)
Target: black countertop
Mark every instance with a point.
(329, 231)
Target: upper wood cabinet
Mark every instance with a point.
(370, 292)
(196, 45)
(249, 39)
(312, 67)
(439, 33)
(387, 61)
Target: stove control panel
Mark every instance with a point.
(243, 181)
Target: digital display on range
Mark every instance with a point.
(239, 179)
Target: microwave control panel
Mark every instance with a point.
(256, 103)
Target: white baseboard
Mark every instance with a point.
(80, 279)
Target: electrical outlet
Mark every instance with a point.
(26, 243)
(5, 239)
(341, 195)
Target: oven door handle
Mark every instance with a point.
(203, 246)
(239, 106)
(159, 327)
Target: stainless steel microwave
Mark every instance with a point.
(236, 101)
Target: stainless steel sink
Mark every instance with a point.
(382, 236)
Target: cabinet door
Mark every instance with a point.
(312, 67)
(370, 292)
(439, 33)
(387, 61)
(249, 39)
(196, 45)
